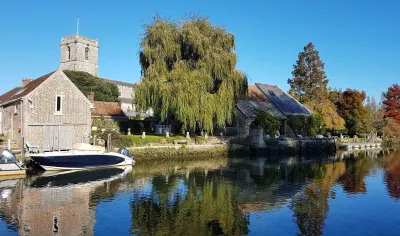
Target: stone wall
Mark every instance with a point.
(40, 108)
(242, 124)
(125, 91)
(11, 118)
(75, 59)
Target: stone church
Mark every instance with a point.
(50, 111)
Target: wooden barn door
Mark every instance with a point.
(58, 137)
(66, 137)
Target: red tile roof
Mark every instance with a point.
(107, 109)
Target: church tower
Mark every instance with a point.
(80, 53)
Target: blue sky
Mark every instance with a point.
(359, 41)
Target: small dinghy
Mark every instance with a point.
(9, 164)
(82, 159)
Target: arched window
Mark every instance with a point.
(69, 53)
(87, 54)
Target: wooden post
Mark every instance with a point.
(23, 147)
(108, 142)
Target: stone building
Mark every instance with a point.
(268, 98)
(125, 94)
(80, 53)
(50, 112)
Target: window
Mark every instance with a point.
(87, 54)
(58, 105)
(69, 53)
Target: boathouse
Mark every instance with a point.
(50, 112)
(271, 99)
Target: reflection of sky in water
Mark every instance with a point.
(114, 216)
(354, 195)
(4, 230)
(273, 222)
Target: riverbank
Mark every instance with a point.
(178, 151)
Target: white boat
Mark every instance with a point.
(9, 164)
(81, 159)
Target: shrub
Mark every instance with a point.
(270, 123)
(306, 125)
(122, 141)
(200, 140)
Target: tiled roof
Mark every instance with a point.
(23, 91)
(116, 82)
(283, 101)
(248, 108)
(107, 109)
(9, 94)
(254, 94)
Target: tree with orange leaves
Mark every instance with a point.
(392, 102)
(350, 107)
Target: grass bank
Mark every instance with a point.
(184, 152)
(138, 141)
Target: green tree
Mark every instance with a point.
(309, 80)
(103, 91)
(376, 114)
(309, 86)
(350, 107)
(189, 73)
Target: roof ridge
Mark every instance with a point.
(28, 88)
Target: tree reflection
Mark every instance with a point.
(207, 208)
(356, 171)
(392, 173)
(311, 207)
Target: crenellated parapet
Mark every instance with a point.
(80, 38)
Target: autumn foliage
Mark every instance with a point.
(309, 85)
(350, 107)
(392, 102)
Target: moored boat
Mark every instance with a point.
(9, 164)
(78, 159)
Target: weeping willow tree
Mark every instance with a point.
(189, 73)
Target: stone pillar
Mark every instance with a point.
(187, 135)
(129, 131)
(167, 134)
(143, 135)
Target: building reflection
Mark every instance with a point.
(54, 203)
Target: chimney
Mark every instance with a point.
(26, 81)
(90, 96)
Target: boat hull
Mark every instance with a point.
(7, 169)
(65, 161)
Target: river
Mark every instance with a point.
(352, 193)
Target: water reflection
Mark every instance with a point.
(54, 203)
(216, 196)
